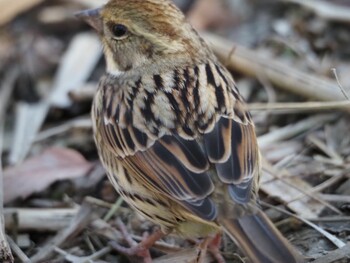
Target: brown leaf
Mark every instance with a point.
(37, 173)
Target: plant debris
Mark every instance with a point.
(291, 62)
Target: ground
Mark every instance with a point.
(290, 60)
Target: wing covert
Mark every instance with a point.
(235, 155)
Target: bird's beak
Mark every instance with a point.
(92, 17)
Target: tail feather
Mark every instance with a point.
(260, 240)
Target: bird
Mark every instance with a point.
(174, 134)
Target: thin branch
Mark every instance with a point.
(254, 63)
(5, 251)
(326, 234)
(340, 85)
(299, 107)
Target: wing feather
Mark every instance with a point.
(163, 167)
(167, 168)
(242, 165)
(179, 165)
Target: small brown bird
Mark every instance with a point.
(174, 133)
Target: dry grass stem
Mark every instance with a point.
(188, 255)
(335, 198)
(326, 149)
(345, 93)
(113, 209)
(6, 89)
(78, 223)
(290, 189)
(18, 251)
(295, 129)
(312, 192)
(40, 220)
(5, 251)
(294, 69)
(91, 258)
(337, 255)
(299, 107)
(325, 9)
(337, 242)
(79, 123)
(251, 63)
(330, 219)
(85, 93)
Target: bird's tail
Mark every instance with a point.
(260, 240)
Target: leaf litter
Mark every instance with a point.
(290, 59)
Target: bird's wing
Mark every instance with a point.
(179, 166)
(232, 147)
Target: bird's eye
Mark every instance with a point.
(119, 31)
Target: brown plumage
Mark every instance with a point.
(173, 131)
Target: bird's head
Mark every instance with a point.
(138, 33)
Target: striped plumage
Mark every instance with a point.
(175, 118)
(173, 132)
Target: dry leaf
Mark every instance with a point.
(75, 67)
(37, 173)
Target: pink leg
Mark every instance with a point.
(202, 250)
(214, 249)
(139, 250)
(213, 246)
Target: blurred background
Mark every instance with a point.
(291, 62)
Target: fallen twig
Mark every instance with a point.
(17, 251)
(326, 234)
(5, 251)
(39, 219)
(253, 63)
(326, 9)
(6, 89)
(286, 189)
(186, 255)
(91, 258)
(80, 221)
(299, 107)
(295, 129)
(336, 256)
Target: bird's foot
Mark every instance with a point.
(211, 245)
(139, 250)
(214, 249)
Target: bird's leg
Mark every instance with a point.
(214, 248)
(202, 250)
(211, 244)
(137, 249)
